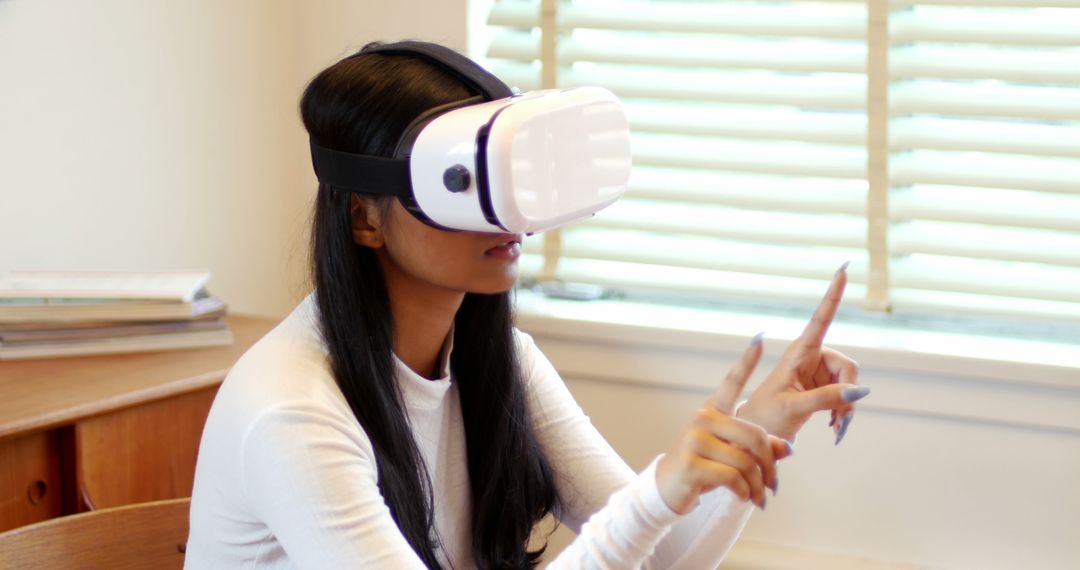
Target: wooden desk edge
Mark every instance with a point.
(247, 329)
(69, 415)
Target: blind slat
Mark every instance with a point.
(764, 192)
(987, 277)
(937, 273)
(704, 253)
(981, 277)
(741, 156)
(987, 99)
(813, 20)
(987, 171)
(914, 61)
(985, 136)
(838, 92)
(735, 285)
(744, 122)
(972, 241)
(986, 206)
(733, 223)
(843, 129)
(966, 62)
(840, 21)
(990, 3)
(1006, 27)
(743, 53)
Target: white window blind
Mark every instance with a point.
(934, 144)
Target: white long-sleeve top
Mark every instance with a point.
(286, 477)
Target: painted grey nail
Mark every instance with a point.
(844, 423)
(775, 484)
(757, 339)
(843, 267)
(854, 393)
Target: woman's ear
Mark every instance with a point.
(366, 224)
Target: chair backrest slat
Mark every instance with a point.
(133, 537)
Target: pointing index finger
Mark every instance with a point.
(814, 333)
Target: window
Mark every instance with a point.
(934, 144)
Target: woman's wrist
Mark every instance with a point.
(653, 497)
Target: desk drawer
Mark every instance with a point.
(29, 479)
(140, 454)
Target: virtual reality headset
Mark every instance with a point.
(497, 161)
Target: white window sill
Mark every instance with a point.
(1004, 359)
(1024, 383)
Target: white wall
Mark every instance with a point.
(164, 135)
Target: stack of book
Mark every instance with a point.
(47, 313)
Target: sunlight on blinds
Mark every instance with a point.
(935, 144)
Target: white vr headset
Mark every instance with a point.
(496, 162)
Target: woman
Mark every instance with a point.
(396, 419)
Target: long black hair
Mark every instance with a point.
(363, 104)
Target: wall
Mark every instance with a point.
(164, 135)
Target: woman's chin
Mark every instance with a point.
(497, 284)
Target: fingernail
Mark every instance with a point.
(844, 423)
(775, 484)
(832, 421)
(763, 502)
(757, 339)
(855, 393)
(843, 267)
(790, 447)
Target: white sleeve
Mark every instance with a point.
(703, 537)
(311, 478)
(628, 524)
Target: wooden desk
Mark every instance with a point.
(101, 431)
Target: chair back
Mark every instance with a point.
(144, 536)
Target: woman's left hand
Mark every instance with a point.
(809, 378)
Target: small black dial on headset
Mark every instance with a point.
(456, 178)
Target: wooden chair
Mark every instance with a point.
(144, 536)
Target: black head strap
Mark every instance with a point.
(375, 174)
(479, 80)
(378, 175)
(360, 173)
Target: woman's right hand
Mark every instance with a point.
(719, 450)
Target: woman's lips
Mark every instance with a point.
(508, 250)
